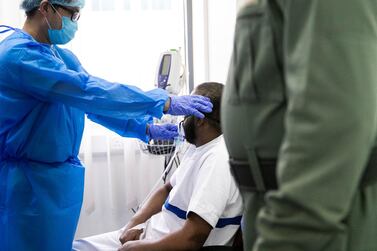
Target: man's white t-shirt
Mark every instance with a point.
(203, 185)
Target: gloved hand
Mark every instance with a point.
(163, 132)
(190, 105)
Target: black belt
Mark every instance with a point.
(261, 177)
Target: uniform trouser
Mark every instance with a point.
(361, 223)
(39, 205)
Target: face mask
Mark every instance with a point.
(181, 134)
(189, 129)
(66, 34)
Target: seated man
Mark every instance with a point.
(201, 205)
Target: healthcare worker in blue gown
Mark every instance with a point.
(44, 96)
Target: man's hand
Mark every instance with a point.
(130, 246)
(130, 235)
(136, 246)
(191, 236)
(151, 207)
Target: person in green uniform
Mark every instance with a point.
(300, 122)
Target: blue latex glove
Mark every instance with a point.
(190, 105)
(163, 132)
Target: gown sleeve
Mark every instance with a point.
(37, 72)
(131, 128)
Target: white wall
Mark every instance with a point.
(10, 14)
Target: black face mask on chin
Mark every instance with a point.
(189, 128)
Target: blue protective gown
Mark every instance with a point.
(44, 95)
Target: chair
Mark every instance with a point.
(237, 244)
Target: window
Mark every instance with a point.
(213, 31)
(104, 5)
(119, 42)
(127, 4)
(156, 4)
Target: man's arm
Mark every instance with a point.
(150, 208)
(191, 236)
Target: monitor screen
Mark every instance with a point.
(165, 65)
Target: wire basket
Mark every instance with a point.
(158, 147)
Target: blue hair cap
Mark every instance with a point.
(28, 5)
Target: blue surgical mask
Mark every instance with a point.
(66, 34)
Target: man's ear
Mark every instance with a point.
(43, 8)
